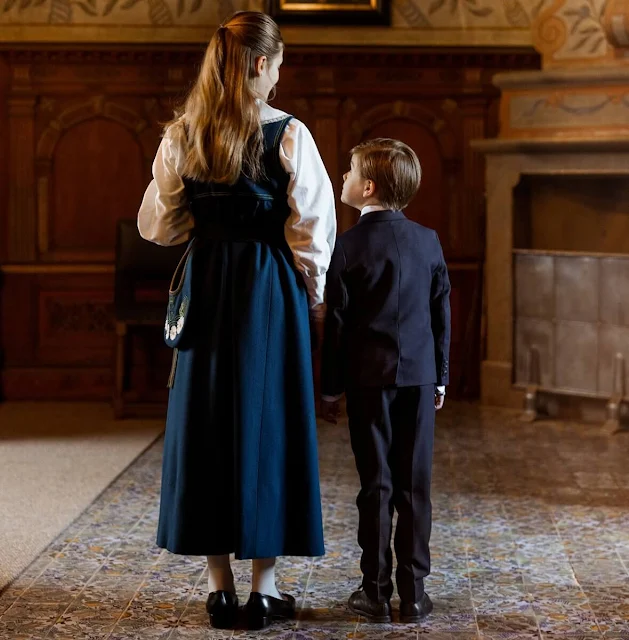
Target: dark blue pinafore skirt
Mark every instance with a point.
(240, 470)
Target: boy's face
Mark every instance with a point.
(357, 192)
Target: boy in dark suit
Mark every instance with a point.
(386, 344)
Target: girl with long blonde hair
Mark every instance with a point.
(242, 183)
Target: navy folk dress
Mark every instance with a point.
(240, 470)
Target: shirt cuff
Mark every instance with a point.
(316, 288)
(441, 390)
(332, 398)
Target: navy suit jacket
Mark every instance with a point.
(388, 307)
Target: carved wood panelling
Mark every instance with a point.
(68, 319)
(83, 149)
(466, 303)
(22, 204)
(80, 127)
(66, 316)
(4, 155)
(57, 383)
(470, 228)
(57, 334)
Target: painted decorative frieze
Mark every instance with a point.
(419, 22)
(577, 32)
(582, 91)
(567, 104)
(421, 14)
(467, 14)
(118, 12)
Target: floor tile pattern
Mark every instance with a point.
(530, 540)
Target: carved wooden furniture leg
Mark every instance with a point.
(534, 380)
(612, 424)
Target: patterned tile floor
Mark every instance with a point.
(530, 540)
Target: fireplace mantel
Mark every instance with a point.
(557, 225)
(588, 103)
(503, 146)
(508, 161)
(580, 77)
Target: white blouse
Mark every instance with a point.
(310, 230)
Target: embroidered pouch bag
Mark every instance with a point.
(179, 292)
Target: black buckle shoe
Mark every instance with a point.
(261, 609)
(360, 603)
(222, 607)
(415, 611)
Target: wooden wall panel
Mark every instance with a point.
(84, 145)
(78, 132)
(466, 279)
(88, 159)
(18, 320)
(5, 70)
(69, 320)
(62, 347)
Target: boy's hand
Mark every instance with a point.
(439, 400)
(330, 411)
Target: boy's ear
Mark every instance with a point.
(370, 188)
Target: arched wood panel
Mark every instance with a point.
(97, 178)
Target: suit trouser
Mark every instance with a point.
(392, 435)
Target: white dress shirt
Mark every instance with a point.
(371, 208)
(310, 230)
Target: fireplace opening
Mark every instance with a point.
(571, 282)
(586, 213)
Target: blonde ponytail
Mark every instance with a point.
(221, 114)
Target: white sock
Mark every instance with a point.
(220, 576)
(263, 577)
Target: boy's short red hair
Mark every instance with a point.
(393, 166)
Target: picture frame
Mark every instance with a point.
(331, 12)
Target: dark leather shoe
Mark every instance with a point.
(222, 607)
(261, 609)
(415, 611)
(360, 603)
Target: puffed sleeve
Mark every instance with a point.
(164, 216)
(310, 230)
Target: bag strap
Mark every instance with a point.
(180, 270)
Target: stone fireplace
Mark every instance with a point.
(557, 240)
